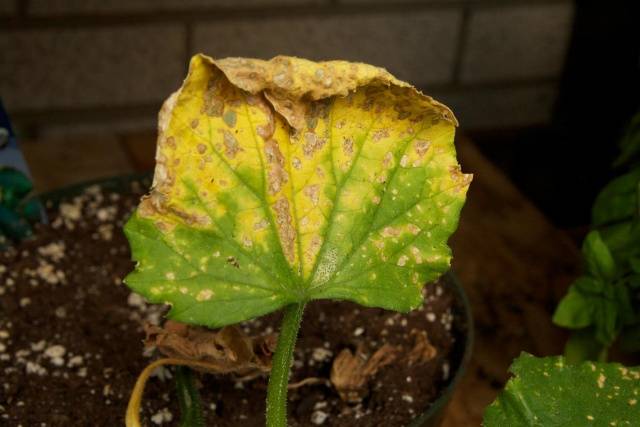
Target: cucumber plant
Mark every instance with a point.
(286, 181)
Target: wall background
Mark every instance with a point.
(74, 65)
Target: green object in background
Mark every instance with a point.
(15, 211)
(549, 392)
(603, 305)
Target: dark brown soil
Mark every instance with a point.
(71, 339)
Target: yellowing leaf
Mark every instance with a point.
(287, 180)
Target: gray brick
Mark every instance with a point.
(500, 108)
(91, 67)
(419, 47)
(517, 42)
(57, 7)
(7, 7)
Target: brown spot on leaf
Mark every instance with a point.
(285, 228)
(414, 229)
(387, 161)
(171, 142)
(312, 192)
(213, 104)
(421, 147)
(460, 179)
(312, 144)
(277, 175)
(231, 146)
(379, 134)
(347, 146)
(390, 232)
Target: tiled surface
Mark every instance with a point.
(512, 107)
(56, 7)
(91, 67)
(417, 47)
(517, 42)
(68, 64)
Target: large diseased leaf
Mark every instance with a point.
(547, 392)
(287, 180)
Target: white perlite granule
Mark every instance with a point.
(319, 417)
(162, 416)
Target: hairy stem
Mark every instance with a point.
(282, 358)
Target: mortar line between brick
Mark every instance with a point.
(214, 15)
(30, 21)
(91, 113)
(463, 34)
(88, 114)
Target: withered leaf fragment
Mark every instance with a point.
(228, 350)
(422, 350)
(350, 372)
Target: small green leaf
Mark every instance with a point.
(618, 201)
(598, 258)
(548, 392)
(14, 186)
(623, 240)
(575, 310)
(589, 285)
(283, 181)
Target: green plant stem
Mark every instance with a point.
(281, 365)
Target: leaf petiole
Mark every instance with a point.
(282, 358)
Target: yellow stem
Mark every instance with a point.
(132, 418)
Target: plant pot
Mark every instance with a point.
(462, 324)
(435, 413)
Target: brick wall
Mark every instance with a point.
(69, 64)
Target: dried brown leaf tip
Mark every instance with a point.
(350, 372)
(228, 350)
(422, 350)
